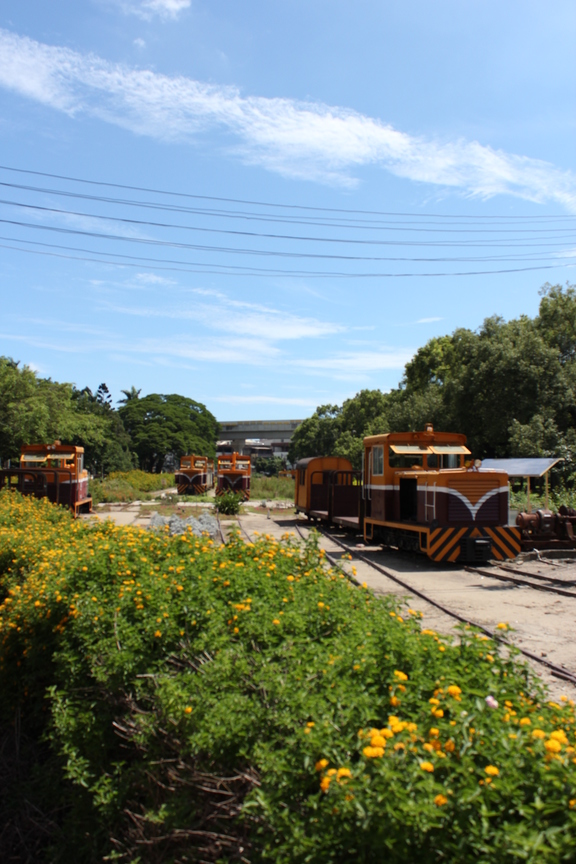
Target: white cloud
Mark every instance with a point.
(297, 139)
(149, 9)
(234, 316)
(139, 43)
(359, 361)
(428, 320)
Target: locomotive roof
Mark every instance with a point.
(426, 438)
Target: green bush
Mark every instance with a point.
(199, 702)
(228, 504)
(143, 481)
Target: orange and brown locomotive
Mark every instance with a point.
(54, 471)
(417, 491)
(233, 474)
(195, 475)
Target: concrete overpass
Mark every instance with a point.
(240, 431)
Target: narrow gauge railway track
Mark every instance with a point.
(240, 527)
(556, 671)
(526, 580)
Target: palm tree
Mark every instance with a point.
(131, 394)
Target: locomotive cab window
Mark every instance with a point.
(377, 461)
(406, 455)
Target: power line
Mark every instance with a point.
(257, 203)
(235, 270)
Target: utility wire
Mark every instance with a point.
(259, 203)
(235, 270)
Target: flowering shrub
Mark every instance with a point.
(247, 702)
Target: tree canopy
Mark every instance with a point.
(510, 387)
(152, 432)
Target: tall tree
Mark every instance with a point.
(163, 428)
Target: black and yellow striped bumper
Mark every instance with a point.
(471, 544)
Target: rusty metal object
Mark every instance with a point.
(543, 529)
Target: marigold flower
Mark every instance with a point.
(321, 764)
(434, 701)
(157, 634)
(525, 721)
(427, 766)
(492, 770)
(325, 783)
(378, 741)
(559, 735)
(454, 690)
(440, 800)
(449, 746)
(276, 621)
(394, 701)
(434, 733)
(553, 746)
(373, 752)
(401, 676)
(188, 709)
(310, 724)
(538, 733)
(343, 772)
(399, 745)
(502, 626)
(438, 712)
(386, 733)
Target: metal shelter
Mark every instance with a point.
(525, 468)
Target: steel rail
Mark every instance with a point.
(524, 581)
(556, 671)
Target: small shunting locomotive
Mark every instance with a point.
(233, 474)
(195, 476)
(417, 491)
(54, 471)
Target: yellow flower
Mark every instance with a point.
(325, 783)
(492, 770)
(321, 764)
(399, 745)
(157, 634)
(320, 605)
(400, 675)
(454, 690)
(434, 701)
(188, 709)
(572, 803)
(449, 746)
(438, 712)
(386, 733)
(310, 724)
(427, 766)
(343, 772)
(276, 621)
(290, 578)
(525, 721)
(373, 752)
(440, 800)
(553, 746)
(538, 733)
(434, 733)
(378, 741)
(559, 735)
(394, 701)
(502, 626)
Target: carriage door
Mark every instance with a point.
(408, 499)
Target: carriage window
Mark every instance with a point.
(377, 461)
(302, 476)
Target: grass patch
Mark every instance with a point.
(195, 699)
(127, 486)
(271, 487)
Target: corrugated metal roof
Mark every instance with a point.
(520, 467)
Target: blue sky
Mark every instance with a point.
(340, 168)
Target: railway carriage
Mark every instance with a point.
(54, 471)
(327, 488)
(195, 476)
(234, 472)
